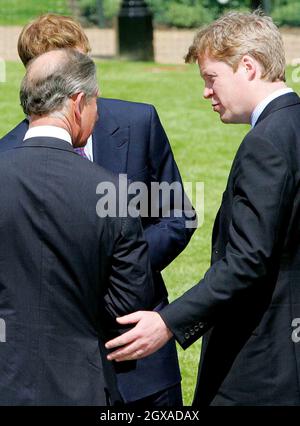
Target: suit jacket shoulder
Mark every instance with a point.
(120, 107)
(278, 127)
(14, 137)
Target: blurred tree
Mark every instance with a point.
(183, 13)
(192, 13)
(263, 4)
(255, 4)
(100, 13)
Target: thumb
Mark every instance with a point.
(131, 318)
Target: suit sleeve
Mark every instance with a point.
(168, 233)
(130, 282)
(262, 198)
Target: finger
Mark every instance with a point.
(130, 318)
(122, 340)
(127, 353)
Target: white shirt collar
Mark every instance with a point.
(88, 149)
(262, 105)
(49, 132)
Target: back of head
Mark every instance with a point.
(236, 34)
(49, 32)
(53, 78)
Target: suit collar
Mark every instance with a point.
(110, 138)
(283, 101)
(47, 142)
(107, 120)
(266, 101)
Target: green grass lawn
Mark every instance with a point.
(20, 12)
(202, 145)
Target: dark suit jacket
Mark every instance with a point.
(251, 294)
(129, 138)
(65, 275)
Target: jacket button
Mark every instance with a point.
(187, 335)
(192, 331)
(201, 324)
(196, 328)
(216, 251)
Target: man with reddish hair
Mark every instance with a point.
(49, 32)
(128, 138)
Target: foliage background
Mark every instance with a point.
(167, 13)
(193, 13)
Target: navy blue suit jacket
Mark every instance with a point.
(129, 138)
(248, 300)
(65, 275)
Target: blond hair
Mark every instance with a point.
(236, 34)
(49, 32)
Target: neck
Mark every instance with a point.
(265, 89)
(63, 123)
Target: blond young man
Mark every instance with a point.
(248, 303)
(129, 139)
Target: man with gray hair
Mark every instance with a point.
(66, 273)
(129, 139)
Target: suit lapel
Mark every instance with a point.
(110, 141)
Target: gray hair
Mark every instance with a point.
(53, 78)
